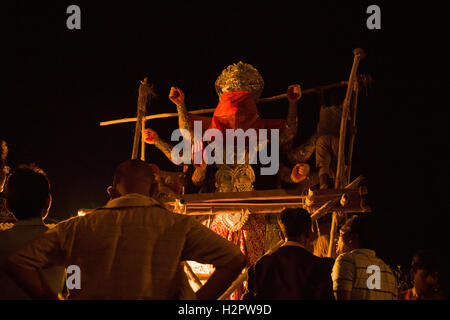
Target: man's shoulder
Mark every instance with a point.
(345, 259)
(290, 252)
(350, 256)
(147, 213)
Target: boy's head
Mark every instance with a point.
(28, 193)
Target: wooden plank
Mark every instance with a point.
(272, 194)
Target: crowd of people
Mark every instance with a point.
(133, 248)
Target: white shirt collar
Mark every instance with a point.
(131, 200)
(30, 222)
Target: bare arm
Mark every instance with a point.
(151, 137)
(289, 130)
(164, 147)
(183, 120)
(177, 97)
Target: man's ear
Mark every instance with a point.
(109, 191)
(113, 192)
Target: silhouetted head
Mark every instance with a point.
(28, 193)
(132, 176)
(355, 233)
(426, 270)
(295, 224)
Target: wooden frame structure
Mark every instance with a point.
(344, 198)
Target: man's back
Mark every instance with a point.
(290, 273)
(350, 273)
(129, 249)
(13, 239)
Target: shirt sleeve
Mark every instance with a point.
(343, 273)
(205, 246)
(43, 252)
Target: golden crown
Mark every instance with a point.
(239, 77)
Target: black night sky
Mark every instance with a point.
(58, 84)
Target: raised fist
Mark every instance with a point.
(150, 136)
(300, 172)
(176, 96)
(294, 93)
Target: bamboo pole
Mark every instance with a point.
(353, 130)
(143, 140)
(355, 182)
(236, 283)
(155, 116)
(145, 94)
(339, 180)
(211, 110)
(324, 209)
(306, 91)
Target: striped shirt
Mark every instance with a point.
(357, 271)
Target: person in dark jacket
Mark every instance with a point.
(292, 272)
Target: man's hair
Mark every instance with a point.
(131, 173)
(296, 222)
(433, 262)
(362, 226)
(27, 191)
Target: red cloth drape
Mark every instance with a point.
(236, 110)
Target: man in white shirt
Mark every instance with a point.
(358, 274)
(132, 248)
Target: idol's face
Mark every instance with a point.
(235, 178)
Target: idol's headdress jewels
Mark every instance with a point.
(240, 77)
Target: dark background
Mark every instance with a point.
(59, 84)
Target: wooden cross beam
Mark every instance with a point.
(318, 203)
(364, 79)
